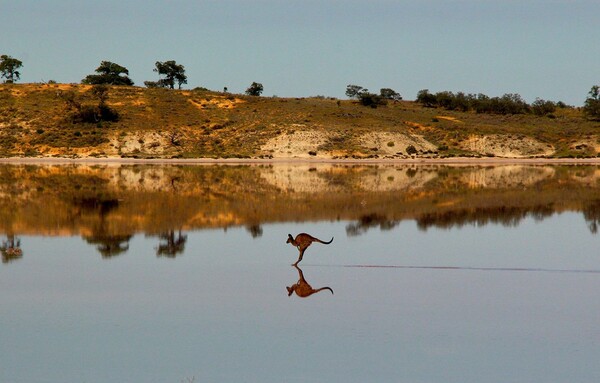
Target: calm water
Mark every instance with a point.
(171, 274)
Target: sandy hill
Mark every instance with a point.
(44, 120)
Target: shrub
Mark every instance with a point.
(90, 113)
(410, 149)
(591, 108)
(510, 103)
(372, 100)
(390, 94)
(154, 84)
(542, 107)
(427, 99)
(255, 89)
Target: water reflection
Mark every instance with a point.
(369, 221)
(11, 249)
(255, 231)
(109, 245)
(170, 245)
(302, 288)
(108, 204)
(591, 213)
(109, 242)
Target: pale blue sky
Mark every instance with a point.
(548, 49)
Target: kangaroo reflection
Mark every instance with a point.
(302, 288)
(11, 249)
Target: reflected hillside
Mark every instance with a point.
(108, 204)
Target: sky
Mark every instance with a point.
(300, 48)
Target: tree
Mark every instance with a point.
(255, 89)
(173, 72)
(90, 113)
(542, 107)
(109, 73)
(591, 107)
(427, 99)
(371, 99)
(8, 68)
(354, 91)
(390, 94)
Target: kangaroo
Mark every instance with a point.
(302, 288)
(302, 242)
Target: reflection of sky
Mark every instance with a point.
(220, 311)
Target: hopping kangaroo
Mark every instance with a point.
(302, 242)
(302, 288)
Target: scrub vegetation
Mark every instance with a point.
(82, 120)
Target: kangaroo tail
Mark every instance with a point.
(327, 243)
(324, 288)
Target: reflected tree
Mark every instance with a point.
(255, 230)
(509, 216)
(369, 221)
(109, 245)
(171, 245)
(591, 213)
(11, 249)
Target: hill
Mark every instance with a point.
(48, 120)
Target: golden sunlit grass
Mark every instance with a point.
(35, 121)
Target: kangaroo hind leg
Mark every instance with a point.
(299, 258)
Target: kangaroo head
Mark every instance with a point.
(290, 239)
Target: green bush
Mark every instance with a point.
(542, 107)
(591, 108)
(372, 100)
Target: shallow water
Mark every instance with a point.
(170, 274)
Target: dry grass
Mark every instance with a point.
(161, 123)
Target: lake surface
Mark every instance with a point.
(181, 273)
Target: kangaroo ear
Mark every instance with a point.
(290, 236)
(289, 290)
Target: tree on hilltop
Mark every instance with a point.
(108, 73)
(173, 72)
(390, 94)
(591, 108)
(255, 89)
(9, 68)
(354, 91)
(367, 98)
(427, 99)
